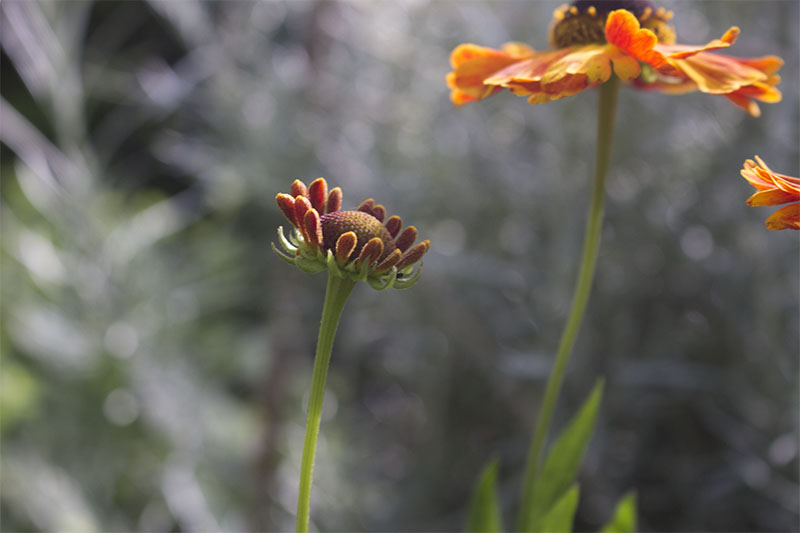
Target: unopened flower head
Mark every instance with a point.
(358, 244)
(592, 40)
(774, 189)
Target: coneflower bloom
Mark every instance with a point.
(591, 40)
(357, 244)
(774, 189)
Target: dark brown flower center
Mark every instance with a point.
(364, 225)
(584, 21)
(604, 7)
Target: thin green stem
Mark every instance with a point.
(594, 224)
(335, 297)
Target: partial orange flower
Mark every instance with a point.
(774, 189)
(593, 40)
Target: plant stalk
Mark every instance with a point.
(335, 297)
(594, 225)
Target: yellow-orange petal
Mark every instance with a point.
(591, 61)
(719, 74)
(555, 74)
(517, 49)
(531, 69)
(787, 217)
(771, 197)
(749, 106)
(767, 64)
(759, 180)
(626, 67)
(682, 51)
(468, 52)
(772, 188)
(472, 64)
(624, 31)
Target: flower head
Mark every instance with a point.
(774, 189)
(357, 244)
(591, 40)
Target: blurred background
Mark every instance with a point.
(156, 355)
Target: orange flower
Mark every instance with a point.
(774, 189)
(592, 42)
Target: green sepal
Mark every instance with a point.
(333, 265)
(282, 255)
(405, 283)
(309, 266)
(288, 246)
(647, 75)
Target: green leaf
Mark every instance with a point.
(559, 518)
(561, 466)
(624, 519)
(484, 512)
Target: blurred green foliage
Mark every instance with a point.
(155, 354)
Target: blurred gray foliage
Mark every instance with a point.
(156, 354)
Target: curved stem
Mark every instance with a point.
(335, 297)
(594, 224)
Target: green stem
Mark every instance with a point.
(335, 297)
(594, 224)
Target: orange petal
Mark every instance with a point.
(767, 64)
(379, 212)
(286, 204)
(750, 107)
(414, 255)
(756, 179)
(334, 200)
(785, 218)
(370, 252)
(301, 207)
(771, 197)
(345, 245)
(393, 225)
(682, 51)
(389, 261)
(406, 238)
(367, 205)
(555, 74)
(624, 31)
(313, 228)
(719, 74)
(318, 194)
(298, 188)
